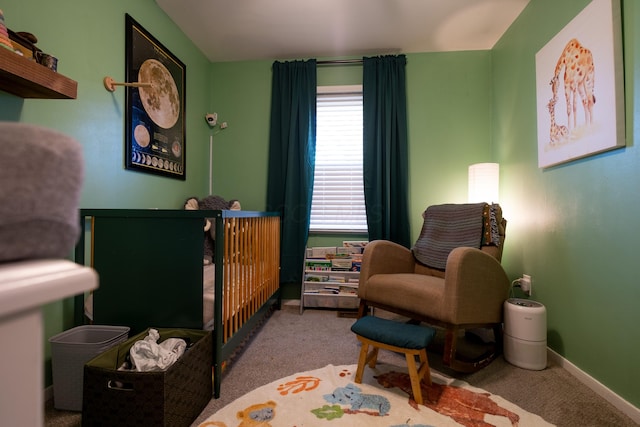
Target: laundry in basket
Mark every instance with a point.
(149, 355)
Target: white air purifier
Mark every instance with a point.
(525, 333)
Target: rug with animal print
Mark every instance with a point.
(330, 397)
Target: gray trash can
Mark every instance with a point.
(70, 350)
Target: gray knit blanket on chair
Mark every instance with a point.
(445, 228)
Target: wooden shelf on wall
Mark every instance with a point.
(28, 79)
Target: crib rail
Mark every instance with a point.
(250, 268)
(247, 246)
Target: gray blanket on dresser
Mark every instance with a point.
(41, 175)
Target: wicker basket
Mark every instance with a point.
(174, 397)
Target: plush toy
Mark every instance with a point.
(210, 203)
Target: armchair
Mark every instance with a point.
(444, 280)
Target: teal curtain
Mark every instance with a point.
(292, 152)
(385, 156)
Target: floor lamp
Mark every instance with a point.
(484, 180)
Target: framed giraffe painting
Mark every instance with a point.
(579, 87)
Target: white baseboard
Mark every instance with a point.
(627, 408)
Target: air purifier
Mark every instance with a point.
(525, 333)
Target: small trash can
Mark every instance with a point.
(70, 350)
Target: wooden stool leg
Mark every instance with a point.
(413, 375)
(362, 360)
(424, 372)
(372, 359)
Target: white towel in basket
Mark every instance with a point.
(148, 355)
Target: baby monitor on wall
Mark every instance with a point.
(211, 118)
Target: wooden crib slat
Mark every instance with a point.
(247, 283)
(251, 263)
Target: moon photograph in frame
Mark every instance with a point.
(155, 110)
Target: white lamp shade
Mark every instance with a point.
(484, 181)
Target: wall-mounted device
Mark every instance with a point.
(211, 118)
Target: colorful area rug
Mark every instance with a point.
(330, 397)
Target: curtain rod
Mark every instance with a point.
(340, 62)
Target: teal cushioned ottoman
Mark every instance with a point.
(403, 335)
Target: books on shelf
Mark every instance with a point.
(349, 247)
(317, 264)
(320, 252)
(341, 264)
(355, 244)
(316, 278)
(331, 276)
(335, 290)
(328, 278)
(347, 257)
(327, 290)
(348, 250)
(349, 289)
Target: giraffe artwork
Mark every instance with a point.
(579, 70)
(557, 133)
(580, 64)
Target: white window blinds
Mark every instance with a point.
(338, 191)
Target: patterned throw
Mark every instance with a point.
(329, 397)
(445, 228)
(494, 211)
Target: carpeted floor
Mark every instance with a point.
(289, 342)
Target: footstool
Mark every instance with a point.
(412, 340)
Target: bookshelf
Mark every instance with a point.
(27, 79)
(330, 278)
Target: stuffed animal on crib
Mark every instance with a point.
(210, 203)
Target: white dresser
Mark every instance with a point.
(24, 288)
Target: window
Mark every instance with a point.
(338, 190)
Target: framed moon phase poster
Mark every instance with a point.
(155, 106)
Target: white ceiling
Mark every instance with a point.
(237, 30)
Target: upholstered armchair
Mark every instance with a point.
(452, 277)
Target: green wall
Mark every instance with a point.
(88, 39)
(241, 95)
(573, 227)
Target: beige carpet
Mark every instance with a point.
(329, 396)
